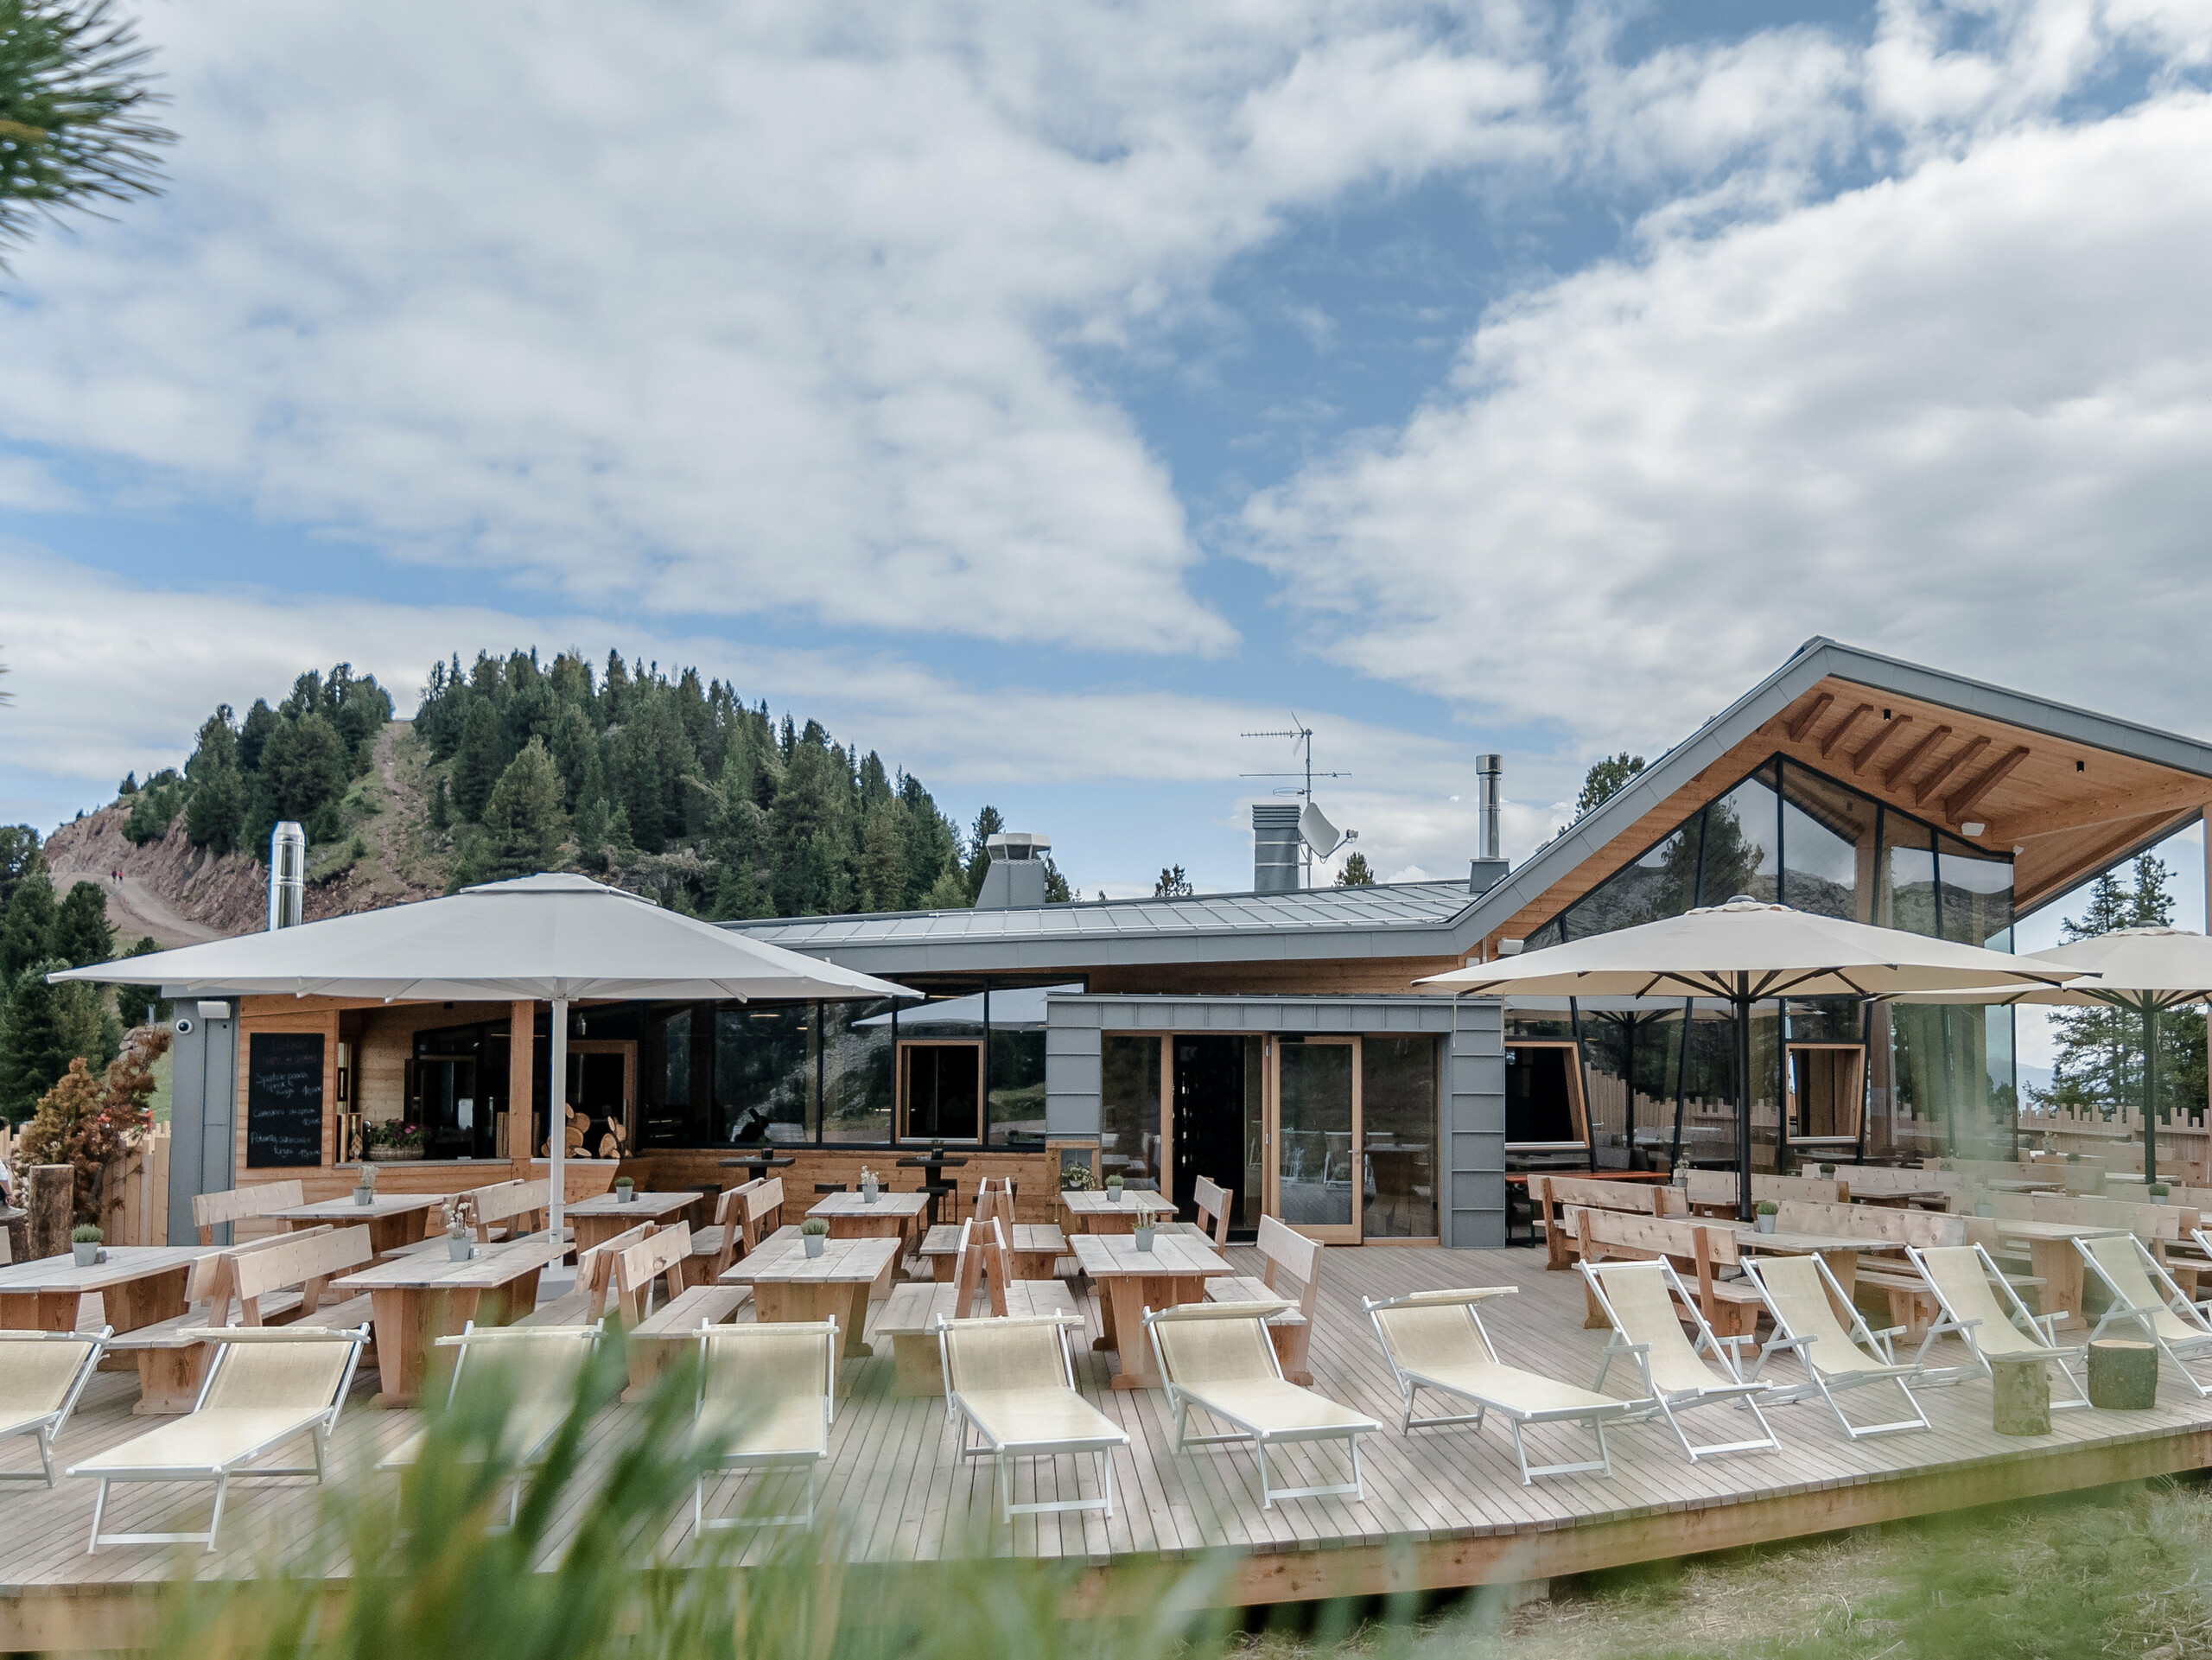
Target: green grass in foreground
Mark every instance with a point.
(586, 1572)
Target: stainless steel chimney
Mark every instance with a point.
(1275, 847)
(288, 875)
(1489, 867)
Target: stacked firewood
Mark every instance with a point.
(614, 1142)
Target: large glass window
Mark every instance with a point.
(941, 1084)
(1908, 866)
(1973, 896)
(1129, 1118)
(1662, 883)
(1398, 1092)
(1739, 856)
(1827, 838)
(676, 1078)
(856, 1041)
(1017, 1088)
(764, 1075)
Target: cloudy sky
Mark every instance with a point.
(1044, 394)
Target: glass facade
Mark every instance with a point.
(1129, 1124)
(1940, 1080)
(1397, 1116)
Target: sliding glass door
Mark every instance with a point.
(1317, 1177)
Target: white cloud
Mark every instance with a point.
(742, 310)
(1965, 414)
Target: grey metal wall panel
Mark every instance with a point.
(1073, 1077)
(203, 1096)
(1475, 1114)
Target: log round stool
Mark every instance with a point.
(2023, 1394)
(2123, 1375)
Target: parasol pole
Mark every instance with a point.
(2150, 1090)
(556, 1091)
(1743, 1001)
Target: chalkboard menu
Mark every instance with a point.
(283, 1099)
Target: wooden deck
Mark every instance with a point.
(1443, 1507)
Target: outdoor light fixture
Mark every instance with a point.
(1972, 828)
(1510, 947)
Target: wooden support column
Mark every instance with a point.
(521, 1067)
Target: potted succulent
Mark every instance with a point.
(1828, 1173)
(1144, 1231)
(84, 1244)
(1115, 1187)
(365, 1186)
(2157, 1191)
(625, 1191)
(812, 1232)
(1766, 1210)
(868, 1187)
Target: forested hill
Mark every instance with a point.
(664, 784)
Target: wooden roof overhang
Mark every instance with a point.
(2065, 804)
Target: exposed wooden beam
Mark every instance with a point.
(1873, 746)
(1935, 780)
(1798, 727)
(1843, 729)
(2107, 807)
(1914, 756)
(1963, 800)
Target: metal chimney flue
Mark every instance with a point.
(1014, 879)
(1276, 846)
(1489, 867)
(288, 875)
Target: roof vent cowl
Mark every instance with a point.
(1014, 879)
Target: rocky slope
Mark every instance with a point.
(176, 894)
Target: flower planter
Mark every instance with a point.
(868, 1191)
(394, 1154)
(625, 1196)
(87, 1255)
(1766, 1225)
(814, 1242)
(1144, 1236)
(460, 1250)
(364, 1196)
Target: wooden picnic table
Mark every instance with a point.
(417, 1298)
(1840, 1251)
(759, 1164)
(601, 1218)
(853, 1216)
(1174, 1271)
(392, 1219)
(1095, 1210)
(790, 1286)
(2021, 1185)
(2055, 1261)
(138, 1285)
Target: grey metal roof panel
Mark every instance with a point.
(1438, 919)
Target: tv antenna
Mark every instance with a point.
(1316, 834)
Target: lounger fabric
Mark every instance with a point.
(538, 1367)
(1960, 1278)
(1643, 1312)
(764, 1391)
(37, 1371)
(1642, 1300)
(1802, 1293)
(2120, 1256)
(1010, 1378)
(1437, 1345)
(1226, 1365)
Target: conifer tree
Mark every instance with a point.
(521, 821)
(43, 1029)
(80, 933)
(477, 763)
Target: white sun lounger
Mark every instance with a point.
(538, 1366)
(1646, 1302)
(1217, 1356)
(1011, 1379)
(1436, 1340)
(266, 1385)
(2144, 1297)
(41, 1375)
(768, 1392)
(1802, 1294)
(1979, 1305)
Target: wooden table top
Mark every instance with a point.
(885, 1205)
(644, 1204)
(1116, 1257)
(843, 1262)
(125, 1263)
(492, 1265)
(1803, 1245)
(2025, 1228)
(1098, 1202)
(339, 1210)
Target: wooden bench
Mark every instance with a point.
(983, 1258)
(1283, 1254)
(1713, 1192)
(653, 1344)
(1696, 1247)
(213, 1210)
(272, 1281)
(1213, 1202)
(513, 1203)
(718, 1244)
(594, 1282)
(1551, 1195)
(658, 1258)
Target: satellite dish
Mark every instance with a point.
(1317, 832)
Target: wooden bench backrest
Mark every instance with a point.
(303, 1260)
(968, 1271)
(1815, 1189)
(764, 1200)
(504, 1200)
(1212, 1200)
(661, 1255)
(1871, 1222)
(210, 1274)
(210, 1211)
(1644, 1197)
(2147, 1222)
(1712, 1187)
(1285, 1250)
(595, 1267)
(994, 1199)
(1659, 1236)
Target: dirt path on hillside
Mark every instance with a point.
(135, 909)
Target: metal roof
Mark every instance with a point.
(1429, 918)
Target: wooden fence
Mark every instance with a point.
(134, 1192)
